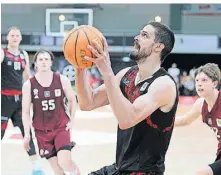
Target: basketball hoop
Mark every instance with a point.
(58, 21)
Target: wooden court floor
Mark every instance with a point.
(95, 134)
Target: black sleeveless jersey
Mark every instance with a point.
(142, 148)
(12, 69)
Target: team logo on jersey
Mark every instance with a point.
(57, 92)
(46, 93)
(144, 86)
(35, 91)
(46, 152)
(218, 122)
(43, 152)
(9, 63)
(209, 121)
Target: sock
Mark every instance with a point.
(36, 165)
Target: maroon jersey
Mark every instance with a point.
(213, 118)
(49, 105)
(12, 71)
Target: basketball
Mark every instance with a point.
(76, 42)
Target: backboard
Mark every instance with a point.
(60, 20)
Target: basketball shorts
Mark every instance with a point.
(112, 170)
(11, 109)
(216, 166)
(50, 142)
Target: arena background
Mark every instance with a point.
(197, 30)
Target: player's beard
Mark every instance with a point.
(139, 55)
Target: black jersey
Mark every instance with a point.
(12, 69)
(142, 148)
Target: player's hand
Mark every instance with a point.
(27, 139)
(69, 125)
(102, 59)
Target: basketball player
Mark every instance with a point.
(49, 92)
(145, 113)
(208, 106)
(15, 67)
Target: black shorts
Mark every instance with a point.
(11, 109)
(112, 170)
(216, 166)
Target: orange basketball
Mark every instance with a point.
(76, 42)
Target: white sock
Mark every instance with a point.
(36, 165)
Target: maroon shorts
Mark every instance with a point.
(50, 142)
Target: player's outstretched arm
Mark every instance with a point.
(2, 55)
(89, 98)
(26, 104)
(26, 73)
(69, 93)
(191, 115)
(129, 114)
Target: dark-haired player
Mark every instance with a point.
(143, 98)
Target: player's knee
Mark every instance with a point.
(65, 162)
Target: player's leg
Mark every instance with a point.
(7, 108)
(66, 163)
(36, 165)
(63, 147)
(55, 166)
(47, 150)
(4, 124)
